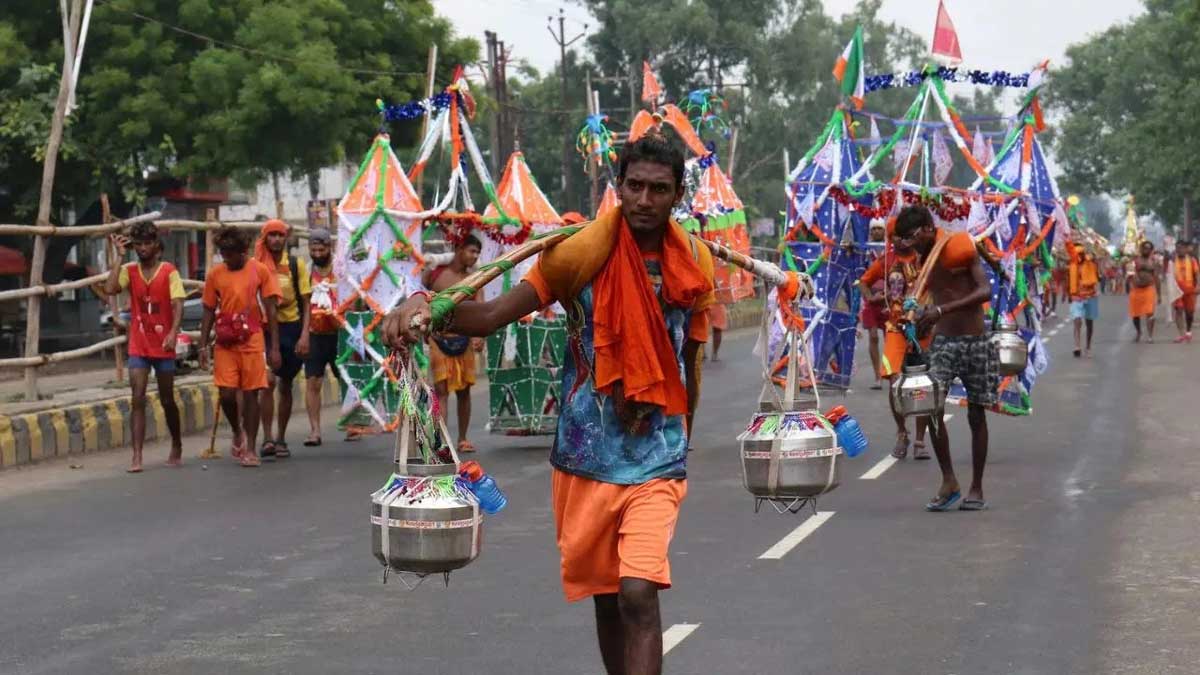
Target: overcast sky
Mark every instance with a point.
(1010, 35)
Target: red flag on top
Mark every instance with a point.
(650, 88)
(945, 38)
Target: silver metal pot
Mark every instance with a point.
(1013, 350)
(803, 463)
(915, 393)
(423, 539)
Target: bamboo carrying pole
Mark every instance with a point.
(33, 315)
(476, 281)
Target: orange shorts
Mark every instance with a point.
(458, 372)
(237, 369)
(607, 532)
(718, 316)
(895, 346)
(1186, 302)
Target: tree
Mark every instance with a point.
(1126, 96)
(195, 88)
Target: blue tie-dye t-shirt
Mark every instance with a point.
(591, 440)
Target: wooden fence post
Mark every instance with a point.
(33, 314)
(114, 301)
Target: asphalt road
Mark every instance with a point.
(1088, 560)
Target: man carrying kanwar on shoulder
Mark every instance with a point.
(452, 357)
(961, 348)
(155, 311)
(291, 276)
(635, 290)
(888, 280)
(233, 292)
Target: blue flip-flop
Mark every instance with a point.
(943, 503)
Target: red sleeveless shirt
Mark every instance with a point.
(150, 311)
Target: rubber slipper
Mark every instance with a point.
(250, 461)
(281, 450)
(901, 449)
(312, 441)
(973, 505)
(939, 503)
(133, 470)
(877, 386)
(268, 451)
(919, 451)
(466, 446)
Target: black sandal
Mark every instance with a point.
(268, 451)
(281, 450)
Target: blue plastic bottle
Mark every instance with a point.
(491, 499)
(850, 435)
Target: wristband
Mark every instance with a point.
(940, 312)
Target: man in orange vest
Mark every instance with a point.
(1083, 279)
(1187, 268)
(322, 329)
(155, 311)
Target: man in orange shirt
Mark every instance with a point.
(887, 281)
(233, 291)
(1187, 269)
(961, 347)
(1083, 277)
(636, 289)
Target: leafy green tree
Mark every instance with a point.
(1126, 96)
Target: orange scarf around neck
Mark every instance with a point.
(632, 346)
(1185, 273)
(630, 334)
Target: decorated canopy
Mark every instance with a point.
(521, 198)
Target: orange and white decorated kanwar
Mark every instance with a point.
(523, 360)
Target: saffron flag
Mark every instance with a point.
(650, 88)
(849, 70)
(945, 38)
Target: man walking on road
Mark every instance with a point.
(452, 357)
(155, 312)
(233, 292)
(1083, 278)
(291, 276)
(635, 291)
(961, 347)
(888, 280)
(1185, 270)
(1145, 288)
(322, 330)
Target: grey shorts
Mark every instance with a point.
(973, 359)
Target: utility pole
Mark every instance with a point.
(430, 67)
(506, 113)
(494, 89)
(561, 38)
(593, 109)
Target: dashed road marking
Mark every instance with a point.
(793, 538)
(877, 470)
(676, 634)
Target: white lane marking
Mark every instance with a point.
(676, 634)
(796, 536)
(887, 462)
(877, 470)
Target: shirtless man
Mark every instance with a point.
(452, 357)
(1145, 289)
(961, 347)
